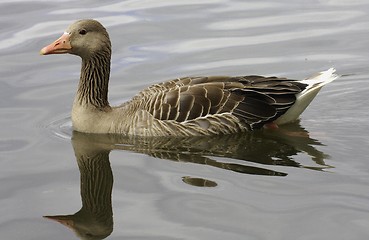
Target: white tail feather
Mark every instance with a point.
(303, 99)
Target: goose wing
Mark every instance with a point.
(255, 100)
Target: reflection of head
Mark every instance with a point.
(85, 227)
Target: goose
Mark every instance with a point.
(187, 106)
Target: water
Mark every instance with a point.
(271, 185)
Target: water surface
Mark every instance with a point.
(265, 185)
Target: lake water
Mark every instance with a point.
(312, 184)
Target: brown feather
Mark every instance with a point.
(254, 100)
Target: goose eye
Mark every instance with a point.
(82, 31)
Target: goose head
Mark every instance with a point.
(84, 38)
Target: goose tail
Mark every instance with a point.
(303, 99)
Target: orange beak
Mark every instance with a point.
(61, 45)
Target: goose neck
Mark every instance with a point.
(94, 81)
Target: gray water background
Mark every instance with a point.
(155, 41)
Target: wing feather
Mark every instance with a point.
(254, 100)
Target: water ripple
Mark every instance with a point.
(134, 5)
(61, 128)
(212, 43)
(249, 61)
(295, 18)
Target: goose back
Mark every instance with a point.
(216, 105)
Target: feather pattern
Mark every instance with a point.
(249, 101)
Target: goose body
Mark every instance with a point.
(188, 106)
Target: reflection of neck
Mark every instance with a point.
(96, 186)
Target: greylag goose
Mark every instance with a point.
(189, 106)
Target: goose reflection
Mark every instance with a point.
(263, 148)
(95, 219)
(237, 153)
